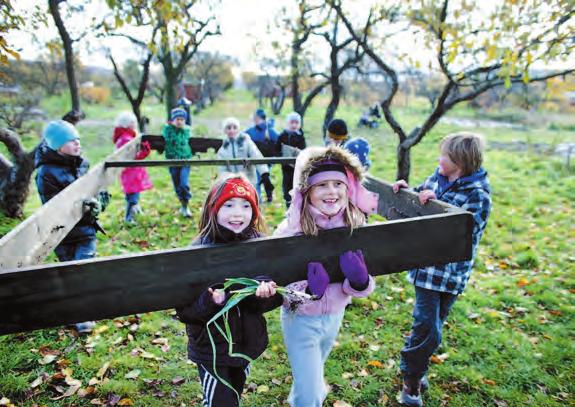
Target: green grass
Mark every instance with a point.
(509, 340)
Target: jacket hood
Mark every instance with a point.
(311, 156)
(477, 180)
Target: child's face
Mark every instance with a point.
(448, 168)
(333, 142)
(235, 214)
(72, 147)
(293, 125)
(231, 130)
(329, 197)
(179, 122)
(258, 120)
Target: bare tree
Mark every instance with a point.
(472, 58)
(14, 175)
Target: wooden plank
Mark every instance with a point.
(33, 239)
(197, 144)
(405, 203)
(57, 294)
(199, 163)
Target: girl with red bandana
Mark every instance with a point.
(230, 214)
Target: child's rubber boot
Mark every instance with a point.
(85, 327)
(129, 219)
(410, 393)
(424, 384)
(184, 211)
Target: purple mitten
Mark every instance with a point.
(353, 267)
(317, 279)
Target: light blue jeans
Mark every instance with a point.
(308, 340)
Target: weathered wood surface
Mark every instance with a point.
(405, 203)
(33, 239)
(57, 294)
(197, 144)
(199, 163)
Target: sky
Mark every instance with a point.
(241, 22)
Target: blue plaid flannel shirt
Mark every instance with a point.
(472, 194)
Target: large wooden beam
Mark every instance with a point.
(53, 295)
(198, 163)
(33, 239)
(197, 144)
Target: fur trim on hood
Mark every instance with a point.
(309, 157)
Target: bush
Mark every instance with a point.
(95, 94)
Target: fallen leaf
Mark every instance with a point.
(375, 363)
(44, 350)
(133, 374)
(262, 389)
(37, 382)
(374, 348)
(100, 329)
(70, 392)
(160, 341)
(103, 370)
(112, 399)
(73, 382)
(363, 373)
(522, 282)
(178, 380)
(489, 382)
(96, 402)
(340, 403)
(47, 359)
(125, 402)
(93, 381)
(277, 382)
(87, 391)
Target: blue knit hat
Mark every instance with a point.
(360, 147)
(59, 132)
(260, 113)
(178, 112)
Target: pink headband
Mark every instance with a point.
(327, 176)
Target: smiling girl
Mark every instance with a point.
(230, 214)
(327, 194)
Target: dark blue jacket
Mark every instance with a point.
(246, 321)
(55, 172)
(265, 138)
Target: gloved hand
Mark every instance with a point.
(104, 199)
(93, 207)
(269, 187)
(145, 149)
(354, 268)
(317, 279)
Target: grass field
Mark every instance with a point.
(509, 341)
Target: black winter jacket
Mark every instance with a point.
(290, 138)
(55, 172)
(247, 325)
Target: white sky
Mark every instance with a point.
(241, 22)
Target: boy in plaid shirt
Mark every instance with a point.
(460, 181)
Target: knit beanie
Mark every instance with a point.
(59, 132)
(337, 129)
(238, 187)
(260, 113)
(293, 116)
(178, 112)
(360, 147)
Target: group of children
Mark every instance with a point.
(326, 192)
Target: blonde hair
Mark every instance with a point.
(208, 224)
(230, 120)
(126, 120)
(353, 216)
(465, 150)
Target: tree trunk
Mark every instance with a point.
(296, 95)
(15, 176)
(170, 92)
(68, 53)
(403, 163)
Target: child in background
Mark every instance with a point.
(134, 180)
(327, 194)
(240, 145)
(336, 133)
(460, 181)
(59, 163)
(360, 148)
(293, 137)
(230, 214)
(176, 135)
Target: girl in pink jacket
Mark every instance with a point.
(327, 194)
(135, 179)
